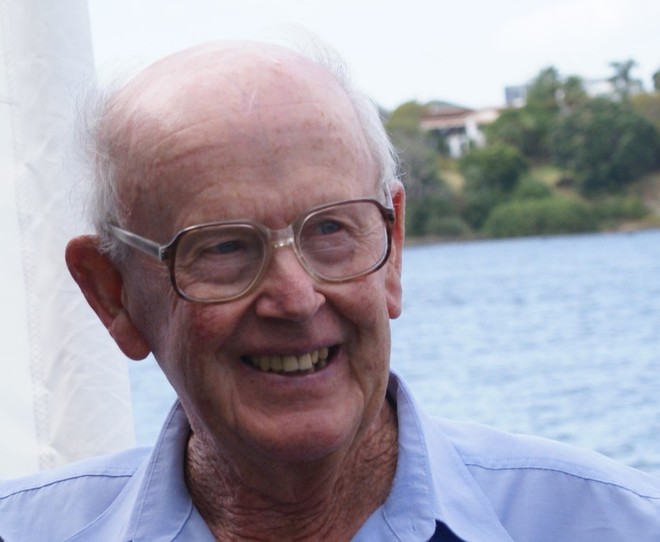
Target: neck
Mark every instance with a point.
(325, 499)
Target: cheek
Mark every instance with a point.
(193, 338)
(371, 298)
(365, 305)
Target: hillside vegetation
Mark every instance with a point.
(565, 162)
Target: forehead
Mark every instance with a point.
(225, 131)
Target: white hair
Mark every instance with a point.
(95, 140)
(102, 203)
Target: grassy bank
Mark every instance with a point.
(547, 203)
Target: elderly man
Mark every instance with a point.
(249, 234)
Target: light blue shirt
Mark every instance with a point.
(484, 485)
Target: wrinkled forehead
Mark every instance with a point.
(230, 97)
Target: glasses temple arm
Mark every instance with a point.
(141, 243)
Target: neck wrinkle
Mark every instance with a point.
(322, 500)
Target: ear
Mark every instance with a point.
(102, 285)
(394, 263)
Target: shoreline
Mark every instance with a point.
(627, 227)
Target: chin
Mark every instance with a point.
(308, 440)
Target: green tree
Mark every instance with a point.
(572, 93)
(405, 118)
(416, 150)
(543, 91)
(491, 174)
(543, 106)
(419, 163)
(606, 144)
(519, 128)
(429, 197)
(495, 166)
(529, 127)
(648, 106)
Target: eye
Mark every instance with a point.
(226, 247)
(328, 226)
(220, 251)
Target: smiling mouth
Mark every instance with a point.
(287, 364)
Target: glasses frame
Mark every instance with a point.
(273, 239)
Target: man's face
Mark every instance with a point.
(284, 140)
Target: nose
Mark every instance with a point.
(287, 291)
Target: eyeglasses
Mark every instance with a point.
(223, 261)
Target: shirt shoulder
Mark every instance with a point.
(548, 490)
(51, 505)
(489, 448)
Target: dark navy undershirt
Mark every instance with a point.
(443, 534)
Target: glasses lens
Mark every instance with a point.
(221, 262)
(345, 240)
(218, 262)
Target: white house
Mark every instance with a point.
(461, 127)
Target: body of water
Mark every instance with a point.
(558, 337)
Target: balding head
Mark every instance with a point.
(240, 83)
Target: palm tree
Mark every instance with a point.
(622, 81)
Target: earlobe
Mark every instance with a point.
(101, 283)
(394, 264)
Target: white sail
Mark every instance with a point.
(64, 390)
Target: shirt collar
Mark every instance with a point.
(432, 483)
(155, 505)
(165, 504)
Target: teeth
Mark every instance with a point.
(310, 361)
(305, 363)
(276, 363)
(289, 364)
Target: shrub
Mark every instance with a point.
(620, 207)
(530, 188)
(452, 226)
(477, 205)
(433, 216)
(547, 216)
